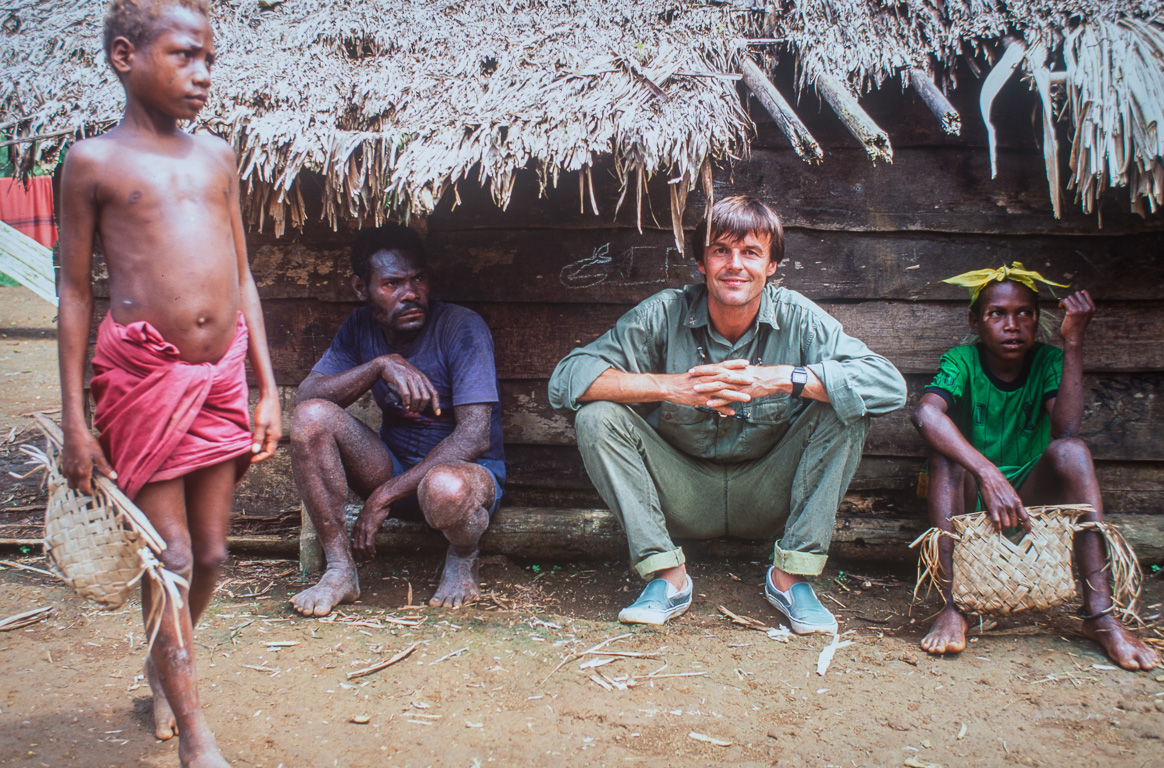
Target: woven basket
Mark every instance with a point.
(996, 576)
(100, 545)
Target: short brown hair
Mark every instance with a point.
(135, 20)
(739, 216)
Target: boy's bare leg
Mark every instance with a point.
(171, 665)
(455, 499)
(946, 498)
(330, 451)
(1066, 473)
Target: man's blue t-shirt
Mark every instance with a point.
(455, 351)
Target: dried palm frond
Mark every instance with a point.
(101, 545)
(996, 576)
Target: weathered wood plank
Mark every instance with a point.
(28, 262)
(931, 189)
(618, 265)
(1123, 418)
(531, 338)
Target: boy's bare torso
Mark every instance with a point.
(163, 208)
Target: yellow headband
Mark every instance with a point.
(978, 279)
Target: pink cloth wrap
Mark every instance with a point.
(160, 417)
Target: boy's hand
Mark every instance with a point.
(376, 508)
(80, 454)
(415, 390)
(1080, 308)
(268, 429)
(1002, 502)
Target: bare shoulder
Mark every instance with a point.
(89, 155)
(215, 147)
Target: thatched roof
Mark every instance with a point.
(395, 101)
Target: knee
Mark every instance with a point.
(312, 418)
(447, 494)
(945, 470)
(210, 558)
(595, 416)
(178, 559)
(1068, 454)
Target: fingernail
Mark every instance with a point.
(255, 448)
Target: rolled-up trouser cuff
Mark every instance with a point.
(799, 563)
(672, 559)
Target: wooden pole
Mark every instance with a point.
(786, 120)
(875, 140)
(936, 101)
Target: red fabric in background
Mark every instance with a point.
(29, 209)
(160, 417)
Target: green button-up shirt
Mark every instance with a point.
(670, 333)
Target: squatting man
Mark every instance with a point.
(438, 456)
(730, 407)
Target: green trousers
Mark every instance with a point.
(658, 491)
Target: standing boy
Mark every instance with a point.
(169, 377)
(1001, 420)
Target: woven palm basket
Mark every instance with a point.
(996, 576)
(100, 545)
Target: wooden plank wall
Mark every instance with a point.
(868, 243)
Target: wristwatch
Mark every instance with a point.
(799, 379)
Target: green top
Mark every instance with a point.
(670, 333)
(1006, 421)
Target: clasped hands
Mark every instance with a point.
(721, 386)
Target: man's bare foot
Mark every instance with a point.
(948, 634)
(1124, 648)
(459, 583)
(165, 726)
(201, 753)
(337, 586)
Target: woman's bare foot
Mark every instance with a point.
(1124, 648)
(459, 581)
(165, 726)
(338, 585)
(948, 634)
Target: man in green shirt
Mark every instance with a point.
(728, 408)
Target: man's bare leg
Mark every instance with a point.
(946, 497)
(1066, 471)
(330, 451)
(455, 499)
(171, 666)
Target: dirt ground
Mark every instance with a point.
(519, 679)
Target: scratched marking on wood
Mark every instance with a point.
(637, 265)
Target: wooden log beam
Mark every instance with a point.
(781, 111)
(936, 101)
(875, 140)
(570, 534)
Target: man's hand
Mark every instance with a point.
(1080, 308)
(79, 455)
(1003, 505)
(415, 390)
(372, 516)
(267, 430)
(738, 381)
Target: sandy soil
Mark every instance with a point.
(509, 681)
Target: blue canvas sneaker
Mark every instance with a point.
(658, 603)
(800, 606)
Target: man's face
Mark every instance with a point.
(171, 72)
(1007, 320)
(397, 292)
(736, 270)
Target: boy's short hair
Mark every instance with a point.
(135, 19)
(739, 216)
(390, 237)
(976, 305)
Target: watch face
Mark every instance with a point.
(799, 375)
